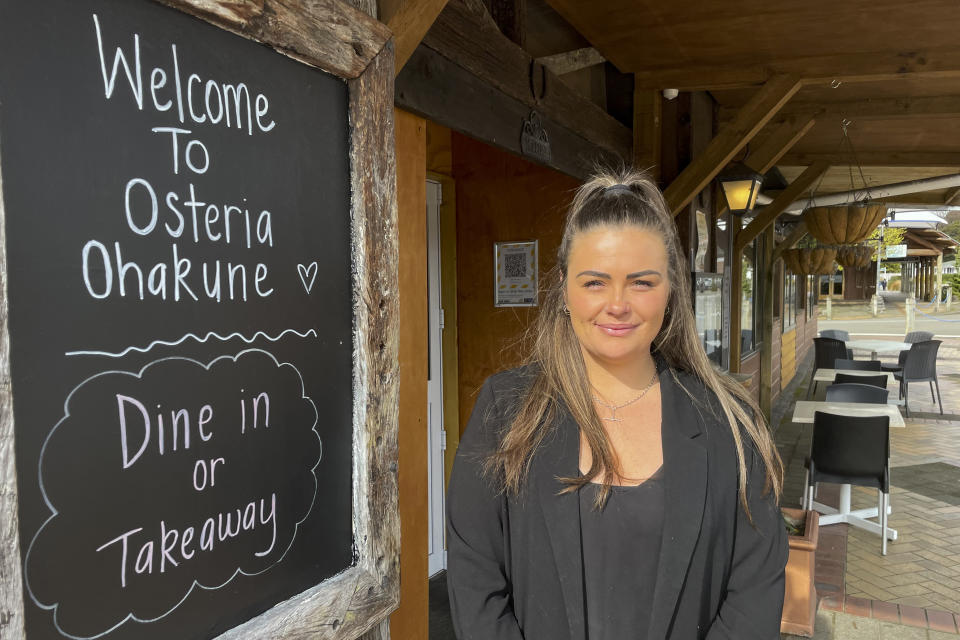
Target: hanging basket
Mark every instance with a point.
(855, 257)
(845, 224)
(810, 262)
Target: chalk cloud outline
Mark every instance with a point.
(54, 513)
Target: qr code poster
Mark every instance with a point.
(516, 274)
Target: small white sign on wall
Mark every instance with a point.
(515, 273)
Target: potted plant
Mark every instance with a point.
(800, 594)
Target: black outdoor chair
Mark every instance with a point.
(918, 336)
(857, 365)
(920, 365)
(874, 381)
(911, 338)
(826, 351)
(856, 392)
(852, 450)
(836, 334)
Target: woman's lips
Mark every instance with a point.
(616, 329)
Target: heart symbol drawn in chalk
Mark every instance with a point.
(308, 273)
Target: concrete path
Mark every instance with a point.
(832, 625)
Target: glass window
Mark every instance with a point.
(789, 300)
(811, 296)
(748, 289)
(708, 306)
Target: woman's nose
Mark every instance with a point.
(616, 305)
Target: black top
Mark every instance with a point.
(621, 550)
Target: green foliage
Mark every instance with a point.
(953, 279)
(952, 229)
(891, 236)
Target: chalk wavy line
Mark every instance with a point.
(211, 334)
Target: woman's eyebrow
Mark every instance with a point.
(640, 274)
(595, 274)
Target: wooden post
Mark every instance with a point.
(939, 277)
(725, 145)
(736, 295)
(647, 117)
(766, 321)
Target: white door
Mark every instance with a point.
(437, 439)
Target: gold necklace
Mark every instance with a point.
(613, 408)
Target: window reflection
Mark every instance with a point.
(708, 304)
(748, 288)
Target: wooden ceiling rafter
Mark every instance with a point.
(766, 216)
(922, 242)
(877, 158)
(871, 108)
(784, 135)
(823, 69)
(753, 116)
(409, 26)
(570, 61)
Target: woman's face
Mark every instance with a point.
(617, 290)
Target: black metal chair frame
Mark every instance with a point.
(920, 365)
(826, 352)
(851, 450)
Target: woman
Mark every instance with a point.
(616, 487)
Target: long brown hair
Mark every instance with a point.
(561, 375)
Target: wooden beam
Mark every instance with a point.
(327, 34)
(871, 108)
(846, 67)
(922, 242)
(438, 89)
(876, 158)
(410, 24)
(799, 231)
(786, 197)
(779, 142)
(647, 122)
(466, 34)
(952, 196)
(570, 61)
(731, 139)
(510, 17)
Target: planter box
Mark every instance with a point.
(800, 594)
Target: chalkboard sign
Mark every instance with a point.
(181, 315)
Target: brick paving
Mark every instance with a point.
(917, 584)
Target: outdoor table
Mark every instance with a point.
(878, 347)
(803, 412)
(828, 375)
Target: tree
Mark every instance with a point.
(891, 236)
(952, 229)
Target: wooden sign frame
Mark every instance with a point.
(341, 40)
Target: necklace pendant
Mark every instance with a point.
(614, 419)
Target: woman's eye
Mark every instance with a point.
(593, 284)
(643, 284)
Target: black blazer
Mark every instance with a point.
(515, 569)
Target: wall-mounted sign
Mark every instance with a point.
(515, 273)
(534, 141)
(896, 251)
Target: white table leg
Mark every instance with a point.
(856, 518)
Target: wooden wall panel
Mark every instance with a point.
(788, 357)
(411, 619)
(751, 365)
(500, 197)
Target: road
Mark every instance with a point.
(944, 326)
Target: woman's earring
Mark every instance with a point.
(566, 311)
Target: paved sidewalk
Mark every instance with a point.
(832, 625)
(918, 583)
